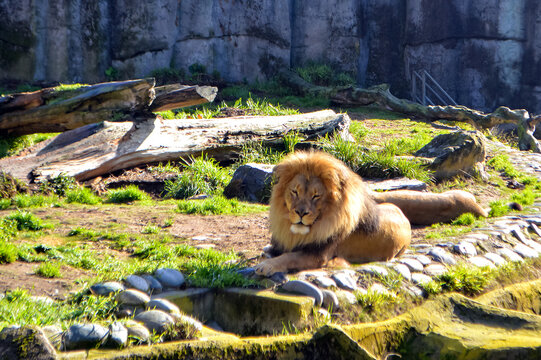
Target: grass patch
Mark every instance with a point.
(12, 145)
(498, 208)
(324, 75)
(82, 195)
(48, 270)
(126, 194)
(29, 201)
(150, 229)
(26, 221)
(59, 185)
(464, 219)
(218, 205)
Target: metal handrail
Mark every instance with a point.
(432, 87)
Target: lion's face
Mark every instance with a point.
(305, 198)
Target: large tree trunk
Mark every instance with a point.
(98, 149)
(50, 110)
(380, 96)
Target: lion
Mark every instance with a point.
(321, 213)
(423, 208)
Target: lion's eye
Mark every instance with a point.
(294, 193)
(315, 197)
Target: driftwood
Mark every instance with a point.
(98, 149)
(50, 110)
(380, 96)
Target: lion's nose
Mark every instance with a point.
(301, 212)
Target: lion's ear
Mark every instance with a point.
(278, 171)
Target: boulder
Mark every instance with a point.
(25, 343)
(456, 153)
(251, 182)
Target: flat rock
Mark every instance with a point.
(25, 343)
(170, 278)
(403, 270)
(525, 251)
(495, 258)
(397, 184)
(373, 270)
(481, 261)
(442, 256)
(155, 320)
(413, 264)
(419, 278)
(304, 288)
(380, 289)
(423, 259)
(465, 248)
(516, 232)
(84, 336)
(509, 254)
(324, 282)
(251, 182)
(534, 245)
(346, 296)
(106, 288)
(435, 269)
(345, 281)
(137, 282)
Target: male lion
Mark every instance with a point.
(321, 210)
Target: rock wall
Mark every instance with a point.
(484, 53)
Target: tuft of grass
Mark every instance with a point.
(150, 229)
(526, 197)
(255, 152)
(498, 208)
(126, 194)
(291, 139)
(8, 251)
(82, 195)
(324, 75)
(165, 168)
(48, 270)
(59, 185)
(218, 205)
(28, 201)
(26, 221)
(470, 280)
(5, 203)
(374, 300)
(180, 330)
(358, 130)
(464, 219)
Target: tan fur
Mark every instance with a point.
(320, 209)
(423, 208)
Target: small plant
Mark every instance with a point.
(372, 300)
(150, 229)
(126, 194)
(291, 139)
(5, 203)
(468, 279)
(218, 205)
(498, 208)
(257, 153)
(525, 197)
(168, 222)
(464, 219)
(358, 130)
(59, 185)
(82, 195)
(181, 330)
(27, 201)
(48, 270)
(431, 287)
(197, 68)
(26, 221)
(112, 74)
(8, 251)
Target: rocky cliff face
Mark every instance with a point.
(484, 53)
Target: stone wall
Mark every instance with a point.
(484, 53)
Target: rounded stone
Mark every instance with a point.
(380, 289)
(54, 334)
(419, 279)
(413, 264)
(84, 336)
(465, 248)
(132, 297)
(509, 254)
(525, 251)
(155, 320)
(154, 286)
(137, 282)
(163, 305)
(481, 261)
(435, 269)
(330, 300)
(423, 259)
(185, 319)
(414, 291)
(346, 296)
(324, 282)
(169, 277)
(442, 256)
(403, 270)
(106, 288)
(118, 335)
(345, 281)
(373, 270)
(304, 288)
(138, 332)
(495, 258)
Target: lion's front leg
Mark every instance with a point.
(297, 260)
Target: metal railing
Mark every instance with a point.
(426, 90)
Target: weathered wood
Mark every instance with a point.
(96, 103)
(98, 149)
(380, 96)
(182, 97)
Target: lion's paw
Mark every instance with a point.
(266, 268)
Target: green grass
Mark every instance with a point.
(464, 219)
(26, 221)
(59, 185)
(8, 251)
(29, 201)
(150, 229)
(82, 195)
(374, 300)
(12, 145)
(126, 194)
(498, 208)
(324, 75)
(5, 204)
(218, 205)
(48, 270)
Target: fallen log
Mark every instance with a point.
(380, 96)
(98, 149)
(53, 110)
(182, 96)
